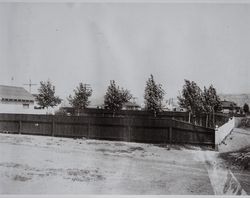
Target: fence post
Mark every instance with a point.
(166, 140)
(215, 146)
(88, 130)
(170, 135)
(53, 126)
(19, 126)
(129, 134)
(129, 130)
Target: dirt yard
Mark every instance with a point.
(235, 151)
(51, 165)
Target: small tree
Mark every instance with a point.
(46, 97)
(191, 98)
(80, 100)
(116, 97)
(153, 95)
(246, 108)
(211, 102)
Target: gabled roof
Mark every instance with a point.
(228, 104)
(14, 93)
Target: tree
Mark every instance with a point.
(115, 97)
(191, 98)
(80, 100)
(246, 108)
(46, 97)
(211, 102)
(153, 95)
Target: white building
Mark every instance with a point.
(15, 100)
(18, 100)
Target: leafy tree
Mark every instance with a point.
(191, 98)
(115, 97)
(153, 95)
(80, 100)
(246, 108)
(46, 97)
(211, 101)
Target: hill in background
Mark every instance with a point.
(239, 99)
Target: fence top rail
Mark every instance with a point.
(191, 124)
(82, 116)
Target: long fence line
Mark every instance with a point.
(130, 129)
(207, 120)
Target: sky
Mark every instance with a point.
(69, 43)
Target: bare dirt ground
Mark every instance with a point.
(235, 151)
(52, 165)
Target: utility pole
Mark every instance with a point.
(30, 84)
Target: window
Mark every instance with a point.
(25, 106)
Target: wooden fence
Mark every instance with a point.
(130, 129)
(205, 120)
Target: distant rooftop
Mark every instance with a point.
(131, 104)
(14, 93)
(228, 104)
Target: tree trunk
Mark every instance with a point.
(206, 120)
(213, 118)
